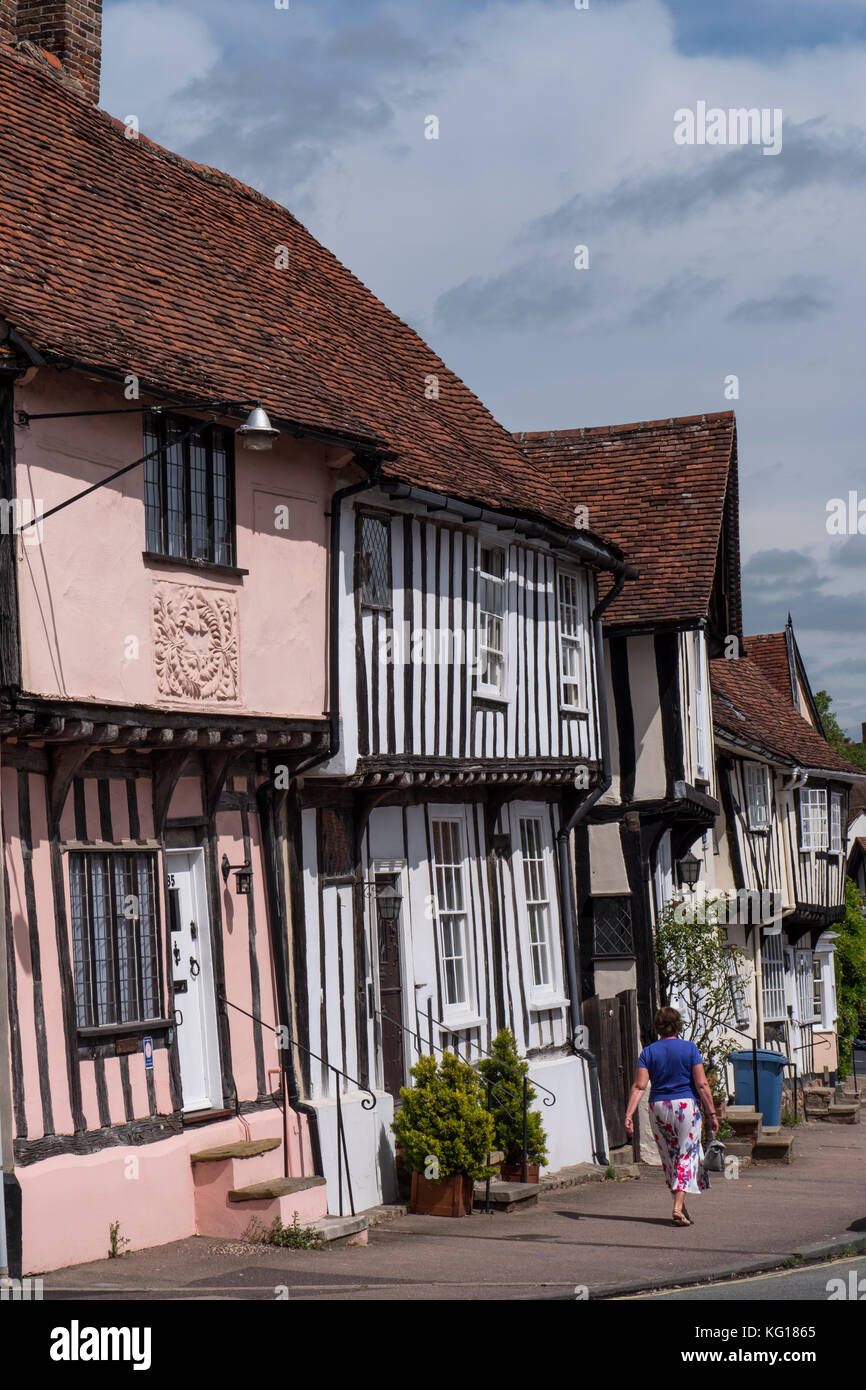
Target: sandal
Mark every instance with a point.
(680, 1219)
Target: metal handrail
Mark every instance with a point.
(368, 1103)
(514, 1071)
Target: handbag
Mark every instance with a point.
(714, 1157)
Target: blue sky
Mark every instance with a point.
(556, 129)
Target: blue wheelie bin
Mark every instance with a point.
(770, 1068)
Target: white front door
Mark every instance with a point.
(192, 973)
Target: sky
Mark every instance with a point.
(556, 130)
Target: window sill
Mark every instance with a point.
(557, 1001)
(118, 1030)
(184, 562)
(484, 697)
(569, 711)
(461, 1022)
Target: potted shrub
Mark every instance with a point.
(505, 1069)
(445, 1134)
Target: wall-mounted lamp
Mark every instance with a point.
(689, 869)
(243, 875)
(388, 900)
(257, 432)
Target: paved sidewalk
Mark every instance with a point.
(599, 1235)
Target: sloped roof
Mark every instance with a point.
(749, 707)
(658, 489)
(118, 255)
(770, 652)
(857, 802)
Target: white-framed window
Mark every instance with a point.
(773, 978)
(536, 889)
(835, 823)
(491, 620)
(572, 629)
(818, 1004)
(756, 779)
(804, 975)
(449, 873)
(701, 738)
(739, 995)
(813, 818)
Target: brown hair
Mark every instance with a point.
(667, 1022)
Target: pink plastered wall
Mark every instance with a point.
(87, 596)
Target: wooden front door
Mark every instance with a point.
(391, 998)
(612, 1025)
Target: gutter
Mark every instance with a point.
(566, 894)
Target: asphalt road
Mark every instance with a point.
(814, 1282)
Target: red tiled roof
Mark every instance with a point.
(658, 489)
(122, 256)
(770, 652)
(750, 708)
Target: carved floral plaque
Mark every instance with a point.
(195, 643)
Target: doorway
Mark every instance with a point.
(192, 977)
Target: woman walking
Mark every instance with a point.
(678, 1085)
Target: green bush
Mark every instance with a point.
(506, 1069)
(850, 961)
(442, 1125)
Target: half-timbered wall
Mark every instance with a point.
(410, 671)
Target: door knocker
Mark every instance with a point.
(194, 967)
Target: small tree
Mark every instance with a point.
(692, 959)
(505, 1070)
(442, 1125)
(850, 974)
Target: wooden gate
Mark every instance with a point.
(612, 1025)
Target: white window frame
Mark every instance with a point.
(536, 887)
(739, 992)
(756, 784)
(458, 1010)
(571, 630)
(485, 576)
(836, 823)
(702, 741)
(773, 993)
(804, 986)
(813, 819)
(819, 990)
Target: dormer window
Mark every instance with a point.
(189, 491)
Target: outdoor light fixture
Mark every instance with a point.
(690, 869)
(388, 900)
(257, 433)
(243, 875)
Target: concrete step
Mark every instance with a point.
(738, 1148)
(506, 1196)
(773, 1148)
(843, 1113)
(744, 1121)
(343, 1230)
(623, 1155)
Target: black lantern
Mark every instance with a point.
(388, 902)
(243, 875)
(690, 869)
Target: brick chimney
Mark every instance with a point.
(7, 20)
(863, 733)
(69, 29)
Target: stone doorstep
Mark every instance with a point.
(773, 1148)
(276, 1187)
(343, 1230)
(507, 1196)
(843, 1114)
(244, 1148)
(621, 1156)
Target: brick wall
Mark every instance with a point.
(71, 29)
(7, 20)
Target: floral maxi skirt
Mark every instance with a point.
(676, 1125)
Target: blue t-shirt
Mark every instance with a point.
(669, 1063)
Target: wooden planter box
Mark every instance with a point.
(513, 1172)
(442, 1196)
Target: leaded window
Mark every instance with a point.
(451, 910)
(375, 562)
(189, 495)
(613, 927)
(115, 938)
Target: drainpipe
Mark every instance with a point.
(266, 810)
(564, 865)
